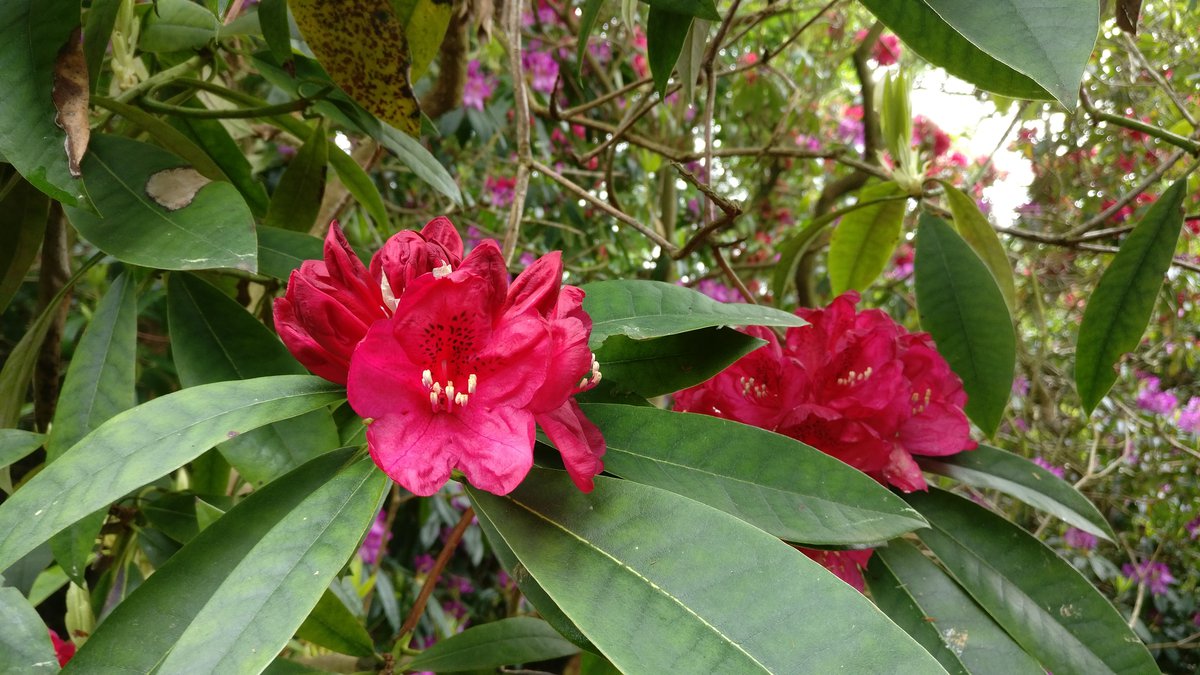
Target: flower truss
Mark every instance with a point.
(451, 363)
(855, 385)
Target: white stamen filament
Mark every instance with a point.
(461, 399)
(427, 379)
(442, 271)
(452, 395)
(471, 382)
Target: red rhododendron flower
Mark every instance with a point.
(845, 565)
(855, 385)
(63, 649)
(331, 303)
(466, 366)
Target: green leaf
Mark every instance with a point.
(511, 641)
(361, 186)
(665, 34)
(273, 18)
(23, 213)
(934, 40)
(864, 240)
(333, 626)
(1119, 309)
(213, 338)
(924, 601)
(587, 23)
(775, 483)
(425, 23)
(178, 25)
(530, 589)
(701, 9)
(648, 309)
(161, 213)
(423, 164)
(975, 229)
(99, 384)
(167, 136)
(1048, 40)
(1043, 602)
(101, 17)
(1017, 477)
(25, 645)
(962, 308)
(31, 33)
(48, 582)
(212, 136)
(236, 592)
(281, 251)
(297, 199)
(16, 444)
(663, 365)
(145, 443)
(659, 584)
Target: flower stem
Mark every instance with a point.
(418, 608)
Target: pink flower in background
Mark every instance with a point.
(330, 303)
(1056, 470)
(718, 291)
(542, 69)
(423, 563)
(501, 189)
(850, 127)
(1156, 575)
(460, 374)
(845, 565)
(1189, 417)
(855, 385)
(886, 50)
(1193, 527)
(902, 262)
(1152, 398)
(377, 538)
(1077, 538)
(928, 134)
(479, 86)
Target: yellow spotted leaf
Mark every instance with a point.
(362, 44)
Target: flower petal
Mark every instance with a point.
(578, 440)
(537, 287)
(441, 231)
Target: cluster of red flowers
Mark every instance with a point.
(452, 365)
(855, 385)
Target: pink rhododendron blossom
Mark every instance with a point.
(1052, 468)
(377, 538)
(1156, 575)
(479, 86)
(501, 189)
(1152, 398)
(63, 649)
(459, 375)
(542, 69)
(1189, 417)
(886, 49)
(845, 565)
(331, 303)
(1077, 538)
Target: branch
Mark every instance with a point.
(512, 33)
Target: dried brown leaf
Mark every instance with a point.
(71, 99)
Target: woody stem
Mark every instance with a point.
(418, 608)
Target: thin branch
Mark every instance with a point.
(439, 565)
(1183, 142)
(512, 32)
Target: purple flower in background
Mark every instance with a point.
(377, 538)
(478, 87)
(461, 584)
(1020, 385)
(718, 291)
(423, 564)
(542, 68)
(1076, 538)
(1056, 470)
(1153, 399)
(1193, 527)
(526, 259)
(1156, 575)
(1189, 417)
(601, 51)
(811, 143)
(501, 188)
(455, 609)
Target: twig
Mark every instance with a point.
(1152, 178)
(1183, 142)
(512, 32)
(731, 275)
(439, 565)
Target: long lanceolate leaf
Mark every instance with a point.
(144, 443)
(1120, 308)
(659, 583)
(1043, 602)
(238, 591)
(24, 644)
(770, 481)
(864, 239)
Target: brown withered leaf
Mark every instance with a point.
(362, 44)
(175, 188)
(1127, 15)
(71, 99)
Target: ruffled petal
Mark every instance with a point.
(537, 287)
(310, 353)
(495, 447)
(578, 440)
(442, 232)
(418, 453)
(903, 472)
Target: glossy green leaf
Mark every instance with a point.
(665, 34)
(238, 590)
(530, 589)
(1017, 477)
(155, 213)
(417, 158)
(25, 645)
(1050, 41)
(924, 601)
(48, 582)
(31, 33)
(1120, 307)
(511, 641)
(1038, 598)
(666, 364)
(178, 25)
(934, 40)
(167, 136)
(864, 240)
(962, 308)
(144, 443)
(701, 9)
(587, 23)
(213, 338)
(281, 251)
(360, 185)
(333, 626)
(99, 384)
(16, 444)
(23, 213)
(648, 309)
(979, 234)
(214, 138)
(97, 32)
(659, 583)
(273, 18)
(297, 199)
(775, 483)
(425, 23)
